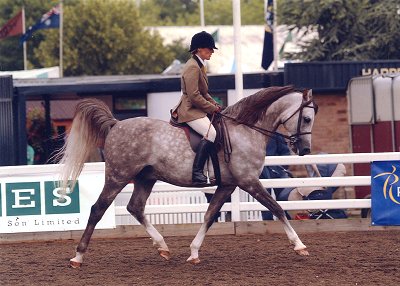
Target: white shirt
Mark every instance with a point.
(201, 60)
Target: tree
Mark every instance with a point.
(179, 50)
(344, 29)
(104, 37)
(187, 12)
(169, 12)
(220, 12)
(252, 12)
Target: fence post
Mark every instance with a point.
(235, 205)
(7, 136)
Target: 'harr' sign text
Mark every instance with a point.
(378, 71)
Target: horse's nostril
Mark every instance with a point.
(305, 151)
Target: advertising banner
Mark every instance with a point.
(30, 200)
(385, 193)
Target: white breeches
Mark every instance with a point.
(204, 127)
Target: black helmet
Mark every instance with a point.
(202, 40)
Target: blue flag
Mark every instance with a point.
(50, 20)
(385, 193)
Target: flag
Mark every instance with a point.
(268, 49)
(49, 20)
(215, 35)
(288, 39)
(13, 27)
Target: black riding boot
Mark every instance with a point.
(198, 177)
(212, 150)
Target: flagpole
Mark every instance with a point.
(24, 44)
(275, 36)
(61, 39)
(237, 50)
(202, 23)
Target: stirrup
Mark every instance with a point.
(199, 179)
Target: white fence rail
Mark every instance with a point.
(172, 204)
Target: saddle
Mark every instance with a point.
(193, 137)
(221, 140)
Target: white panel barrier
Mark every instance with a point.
(169, 204)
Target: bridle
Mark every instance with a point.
(292, 139)
(295, 138)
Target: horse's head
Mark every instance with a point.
(265, 110)
(298, 119)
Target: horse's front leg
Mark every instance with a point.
(107, 196)
(256, 190)
(136, 207)
(219, 198)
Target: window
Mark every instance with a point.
(129, 105)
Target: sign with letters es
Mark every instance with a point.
(32, 202)
(385, 193)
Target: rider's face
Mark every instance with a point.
(205, 53)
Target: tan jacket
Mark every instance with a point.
(195, 102)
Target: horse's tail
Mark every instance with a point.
(90, 126)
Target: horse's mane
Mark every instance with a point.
(251, 109)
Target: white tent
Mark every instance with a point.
(52, 72)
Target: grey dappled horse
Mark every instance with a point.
(146, 150)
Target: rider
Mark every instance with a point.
(196, 103)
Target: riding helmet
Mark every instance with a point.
(202, 40)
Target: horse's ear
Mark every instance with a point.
(307, 94)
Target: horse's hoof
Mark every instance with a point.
(302, 252)
(75, 264)
(193, 261)
(164, 254)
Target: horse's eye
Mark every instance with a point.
(307, 119)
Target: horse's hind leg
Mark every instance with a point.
(219, 198)
(136, 207)
(107, 196)
(294, 239)
(256, 190)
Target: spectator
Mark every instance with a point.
(30, 155)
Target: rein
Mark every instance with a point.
(224, 135)
(261, 130)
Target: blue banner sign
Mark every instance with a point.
(385, 193)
